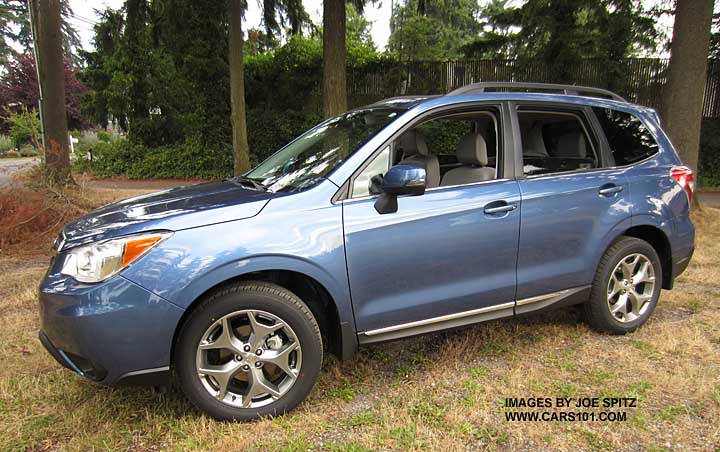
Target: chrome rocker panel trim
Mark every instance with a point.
(468, 317)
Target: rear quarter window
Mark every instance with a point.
(629, 139)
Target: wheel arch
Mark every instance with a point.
(657, 238)
(337, 330)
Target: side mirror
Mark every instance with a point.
(403, 179)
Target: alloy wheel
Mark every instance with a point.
(248, 358)
(630, 288)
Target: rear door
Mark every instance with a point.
(572, 201)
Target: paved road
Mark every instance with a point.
(8, 167)
(710, 199)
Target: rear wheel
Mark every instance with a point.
(248, 351)
(626, 287)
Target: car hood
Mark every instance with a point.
(178, 208)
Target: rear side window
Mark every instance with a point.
(630, 141)
(555, 142)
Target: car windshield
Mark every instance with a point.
(317, 152)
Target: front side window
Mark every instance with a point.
(629, 139)
(555, 142)
(369, 181)
(317, 152)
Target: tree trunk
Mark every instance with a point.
(334, 58)
(684, 93)
(241, 149)
(51, 69)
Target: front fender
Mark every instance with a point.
(252, 264)
(288, 237)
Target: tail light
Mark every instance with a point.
(685, 177)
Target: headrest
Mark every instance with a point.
(571, 145)
(412, 142)
(472, 150)
(533, 143)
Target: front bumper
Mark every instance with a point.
(112, 332)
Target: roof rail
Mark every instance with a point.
(565, 89)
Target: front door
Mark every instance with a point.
(442, 253)
(445, 258)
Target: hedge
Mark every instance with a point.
(268, 131)
(709, 164)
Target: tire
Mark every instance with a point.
(611, 284)
(281, 322)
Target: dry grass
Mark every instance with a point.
(438, 392)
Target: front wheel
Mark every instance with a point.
(626, 287)
(248, 351)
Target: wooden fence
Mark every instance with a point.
(640, 80)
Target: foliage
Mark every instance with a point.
(563, 31)
(19, 88)
(709, 164)
(24, 127)
(361, 48)
(15, 31)
(175, 92)
(423, 30)
(6, 144)
(269, 131)
(715, 37)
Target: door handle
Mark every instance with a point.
(499, 207)
(610, 189)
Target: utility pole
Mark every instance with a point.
(51, 77)
(33, 31)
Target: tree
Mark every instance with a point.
(296, 15)
(19, 88)
(48, 38)
(241, 150)
(432, 29)
(334, 84)
(136, 61)
(562, 32)
(15, 30)
(687, 74)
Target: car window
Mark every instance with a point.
(317, 152)
(370, 179)
(629, 139)
(443, 134)
(456, 149)
(555, 142)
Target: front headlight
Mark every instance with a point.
(98, 261)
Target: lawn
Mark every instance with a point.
(438, 392)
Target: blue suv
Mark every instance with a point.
(408, 216)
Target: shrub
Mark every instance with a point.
(125, 158)
(709, 164)
(12, 153)
(104, 136)
(111, 156)
(6, 144)
(28, 150)
(24, 126)
(270, 130)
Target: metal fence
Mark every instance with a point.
(640, 80)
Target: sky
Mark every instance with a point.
(378, 15)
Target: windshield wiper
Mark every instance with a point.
(248, 182)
